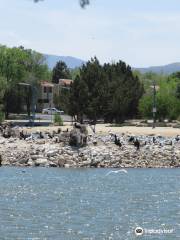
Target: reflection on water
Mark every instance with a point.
(60, 204)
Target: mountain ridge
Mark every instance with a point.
(164, 69)
(73, 62)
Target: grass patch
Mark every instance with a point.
(58, 120)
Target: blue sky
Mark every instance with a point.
(139, 32)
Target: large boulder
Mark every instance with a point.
(41, 162)
(78, 136)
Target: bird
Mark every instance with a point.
(131, 139)
(117, 171)
(177, 138)
(117, 141)
(77, 125)
(137, 144)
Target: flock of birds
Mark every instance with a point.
(140, 142)
(131, 139)
(143, 140)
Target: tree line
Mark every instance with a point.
(110, 92)
(19, 65)
(167, 96)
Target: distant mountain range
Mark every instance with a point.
(73, 62)
(166, 69)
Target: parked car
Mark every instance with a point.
(51, 111)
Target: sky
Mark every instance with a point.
(140, 32)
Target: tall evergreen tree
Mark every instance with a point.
(60, 71)
(125, 91)
(78, 99)
(93, 75)
(110, 92)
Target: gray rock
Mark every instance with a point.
(66, 165)
(2, 141)
(61, 162)
(52, 164)
(52, 153)
(31, 163)
(35, 157)
(78, 136)
(41, 162)
(23, 161)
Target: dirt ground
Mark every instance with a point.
(106, 128)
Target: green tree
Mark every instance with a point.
(20, 65)
(93, 75)
(36, 71)
(111, 92)
(60, 71)
(2, 91)
(78, 99)
(61, 99)
(74, 73)
(168, 106)
(145, 106)
(178, 91)
(13, 71)
(125, 90)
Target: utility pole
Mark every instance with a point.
(154, 104)
(49, 101)
(33, 101)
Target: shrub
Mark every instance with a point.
(58, 120)
(2, 117)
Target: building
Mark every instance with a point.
(47, 91)
(45, 96)
(65, 83)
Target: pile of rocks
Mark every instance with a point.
(100, 151)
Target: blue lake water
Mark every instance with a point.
(87, 204)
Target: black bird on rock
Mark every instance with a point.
(22, 135)
(117, 141)
(137, 144)
(76, 125)
(131, 139)
(177, 138)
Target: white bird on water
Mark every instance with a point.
(117, 171)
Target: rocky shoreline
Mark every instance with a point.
(100, 152)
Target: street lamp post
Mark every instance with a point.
(154, 105)
(49, 102)
(33, 109)
(33, 103)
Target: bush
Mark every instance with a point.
(2, 117)
(58, 120)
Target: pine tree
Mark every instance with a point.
(78, 99)
(60, 71)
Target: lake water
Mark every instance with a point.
(88, 204)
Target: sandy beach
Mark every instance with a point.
(106, 128)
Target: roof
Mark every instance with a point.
(65, 81)
(47, 84)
